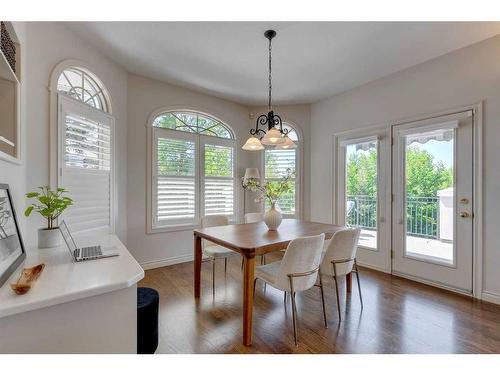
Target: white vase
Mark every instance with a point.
(48, 238)
(273, 218)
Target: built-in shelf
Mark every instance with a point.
(10, 102)
(6, 71)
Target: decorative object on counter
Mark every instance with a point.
(7, 46)
(28, 277)
(271, 191)
(50, 204)
(12, 252)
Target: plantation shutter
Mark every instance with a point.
(174, 178)
(275, 166)
(218, 179)
(85, 160)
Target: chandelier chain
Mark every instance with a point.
(270, 71)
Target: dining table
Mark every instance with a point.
(251, 240)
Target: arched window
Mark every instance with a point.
(84, 87)
(193, 169)
(193, 122)
(276, 163)
(85, 130)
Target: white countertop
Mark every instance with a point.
(64, 280)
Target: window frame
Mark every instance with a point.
(152, 226)
(65, 103)
(298, 173)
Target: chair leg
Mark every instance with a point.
(225, 265)
(284, 298)
(337, 290)
(359, 285)
(242, 260)
(213, 277)
(322, 299)
(338, 298)
(294, 316)
(254, 283)
(262, 259)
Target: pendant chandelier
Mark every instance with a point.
(272, 133)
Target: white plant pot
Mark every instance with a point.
(48, 238)
(273, 218)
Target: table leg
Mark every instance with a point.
(197, 266)
(248, 277)
(348, 281)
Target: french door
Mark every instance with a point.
(409, 188)
(432, 207)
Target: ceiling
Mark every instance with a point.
(311, 60)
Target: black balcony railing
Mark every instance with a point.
(422, 214)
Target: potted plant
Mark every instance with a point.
(50, 204)
(272, 191)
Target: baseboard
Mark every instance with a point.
(432, 283)
(166, 262)
(490, 297)
(372, 267)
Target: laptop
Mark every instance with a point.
(84, 253)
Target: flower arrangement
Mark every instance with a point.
(271, 190)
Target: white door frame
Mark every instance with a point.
(477, 210)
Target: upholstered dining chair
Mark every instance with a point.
(339, 259)
(296, 272)
(255, 217)
(213, 251)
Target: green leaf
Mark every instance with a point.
(28, 210)
(33, 194)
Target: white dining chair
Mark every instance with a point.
(255, 217)
(296, 272)
(339, 259)
(213, 251)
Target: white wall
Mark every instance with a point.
(463, 77)
(300, 116)
(50, 43)
(144, 97)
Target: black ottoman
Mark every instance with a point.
(147, 320)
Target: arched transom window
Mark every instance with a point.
(192, 170)
(84, 87)
(193, 122)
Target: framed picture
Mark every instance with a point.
(12, 252)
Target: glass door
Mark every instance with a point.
(363, 198)
(432, 210)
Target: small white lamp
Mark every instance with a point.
(249, 173)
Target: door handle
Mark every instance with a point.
(465, 214)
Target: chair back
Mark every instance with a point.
(254, 217)
(342, 246)
(213, 221)
(301, 256)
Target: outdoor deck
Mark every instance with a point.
(418, 246)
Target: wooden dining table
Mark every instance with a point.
(251, 240)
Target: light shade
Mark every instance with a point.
(251, 173)
(273, 137)
(253, 144)
(288, 144)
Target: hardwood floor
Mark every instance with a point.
(399, 316)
